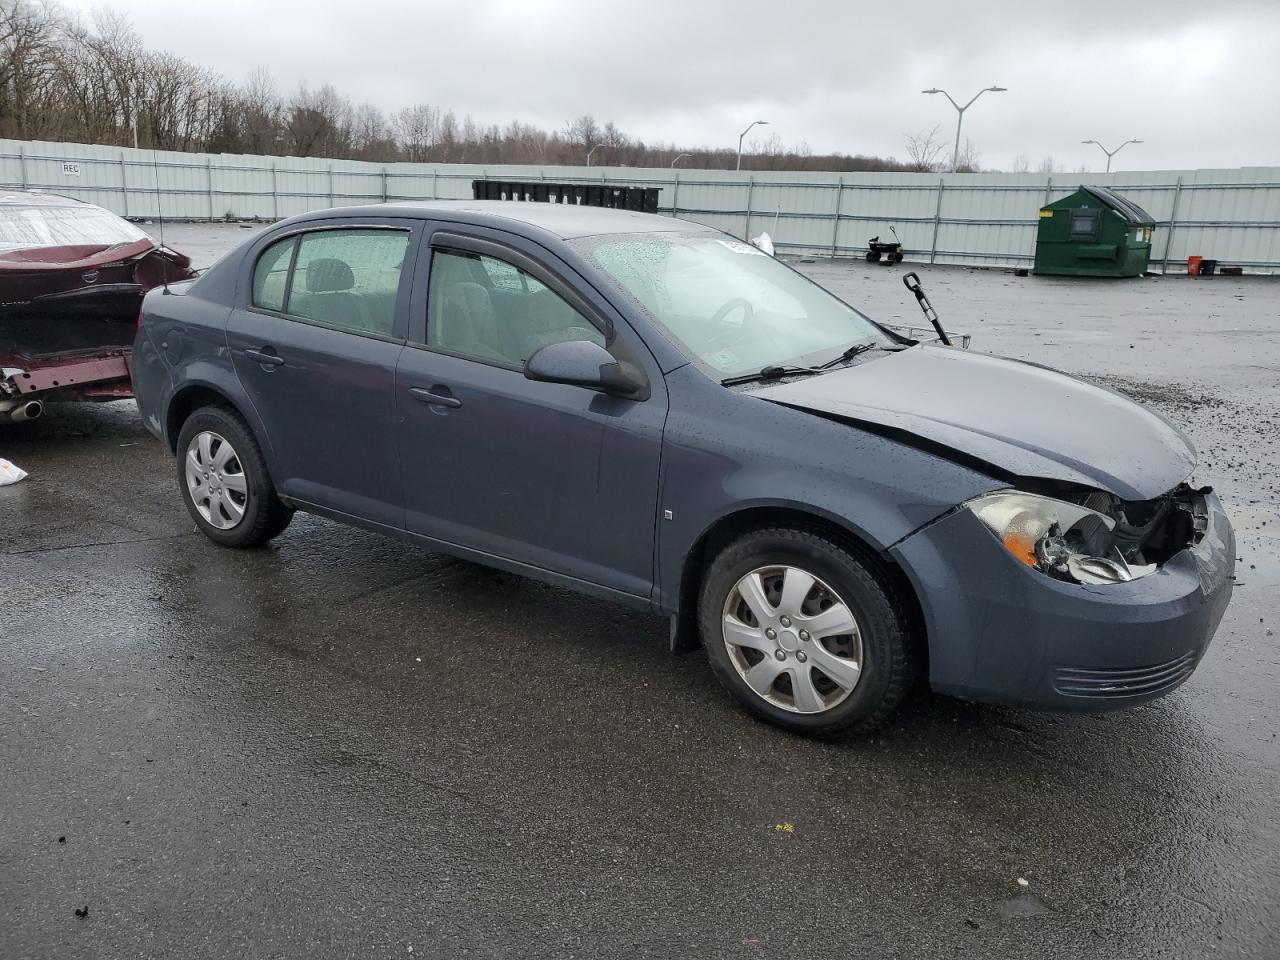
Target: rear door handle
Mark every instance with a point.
(434, 399)
(266, 359)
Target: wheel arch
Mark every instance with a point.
(193, 395)
(186, 401)
(725, 529)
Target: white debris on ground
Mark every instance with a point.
(10, 473)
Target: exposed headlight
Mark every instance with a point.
(1060, 539)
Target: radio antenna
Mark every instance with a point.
(155, 167)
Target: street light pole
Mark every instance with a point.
(679, 158)
(743, 134)
(955, 154)
(591, 151)
(1110, 153)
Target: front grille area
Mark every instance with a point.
(1109, 683)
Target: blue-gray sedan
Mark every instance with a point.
(657, 413)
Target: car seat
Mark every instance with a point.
(330, 286)
(467, 324)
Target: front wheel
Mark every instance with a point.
(224, 480)
(805, 634)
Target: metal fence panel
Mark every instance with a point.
(989, 218)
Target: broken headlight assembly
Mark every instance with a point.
(1064, 540)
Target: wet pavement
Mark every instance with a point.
(342, 746)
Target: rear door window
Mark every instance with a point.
(271, 275)
(348, 278)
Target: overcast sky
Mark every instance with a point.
(1196, 80)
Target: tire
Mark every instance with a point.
(873, 257)
(880, 643)
(897, 257)
(239, 507)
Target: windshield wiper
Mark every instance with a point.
(777, 372)
(773, 372)
(856, 350)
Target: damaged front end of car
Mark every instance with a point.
(1094, 537)
(1068, 598)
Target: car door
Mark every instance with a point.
(315, 340)
(553, 476)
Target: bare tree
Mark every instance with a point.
(100, 69)
(530, 143)
(448, 152)
(469, 141)
(371, 136)
(417, 130)
(179, 104)
(262, 112)
(924, 150)
(584, 132)
(612, 137)
(760, 154)
(1047, 165)
(29, 35)
(318, 123)
(1021, 163)
(967, 161)
(798, 156)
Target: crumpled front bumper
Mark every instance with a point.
(1002, 632)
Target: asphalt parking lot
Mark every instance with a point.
(342, 746)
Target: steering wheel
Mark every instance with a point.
(718, 338)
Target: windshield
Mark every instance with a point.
(732, 306)
(30, 228)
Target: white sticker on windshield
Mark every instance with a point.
(737, 246)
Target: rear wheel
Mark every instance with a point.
(224, 480)
(805, 634)
(873, 257)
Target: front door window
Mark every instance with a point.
(486, 309)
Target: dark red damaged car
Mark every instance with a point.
(72, 276)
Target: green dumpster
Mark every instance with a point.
(1095, 232)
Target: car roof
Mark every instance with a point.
(562, 220)
(30, 198)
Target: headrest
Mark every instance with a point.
(329, 275)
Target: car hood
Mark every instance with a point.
(1015, 419)
(73, 256)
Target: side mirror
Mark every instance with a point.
(582, 363)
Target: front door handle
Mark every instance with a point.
(264, 358)
(434, 399)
